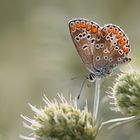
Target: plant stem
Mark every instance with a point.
(96, 103)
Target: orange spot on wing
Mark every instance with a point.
(115, 32)
(83, 25)
(110, 30)
(119, 36)
(94, 29)
(78, 25)
(88, 26)
(122, 42)
(73, 27)
(125, 49)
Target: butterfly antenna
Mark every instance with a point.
(81, 89)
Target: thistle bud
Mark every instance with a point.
(126, 94)
(61, 120)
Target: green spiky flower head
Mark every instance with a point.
(126, 94)
(60, 120)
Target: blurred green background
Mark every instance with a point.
(36, 53)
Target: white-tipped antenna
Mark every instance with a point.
(96, 99)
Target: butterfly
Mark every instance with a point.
(101, 48)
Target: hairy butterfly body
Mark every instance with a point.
(100, 48)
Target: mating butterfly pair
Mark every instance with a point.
(100, 48)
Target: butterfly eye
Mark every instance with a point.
(97, 46)
(98, 58)
(91, 76)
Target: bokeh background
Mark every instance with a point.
(37, 56)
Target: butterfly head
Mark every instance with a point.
(91, 77)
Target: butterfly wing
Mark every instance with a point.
(117, 46)
(101, 49)
(84, 35)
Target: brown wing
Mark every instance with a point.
(84, 35)
(113, 47)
